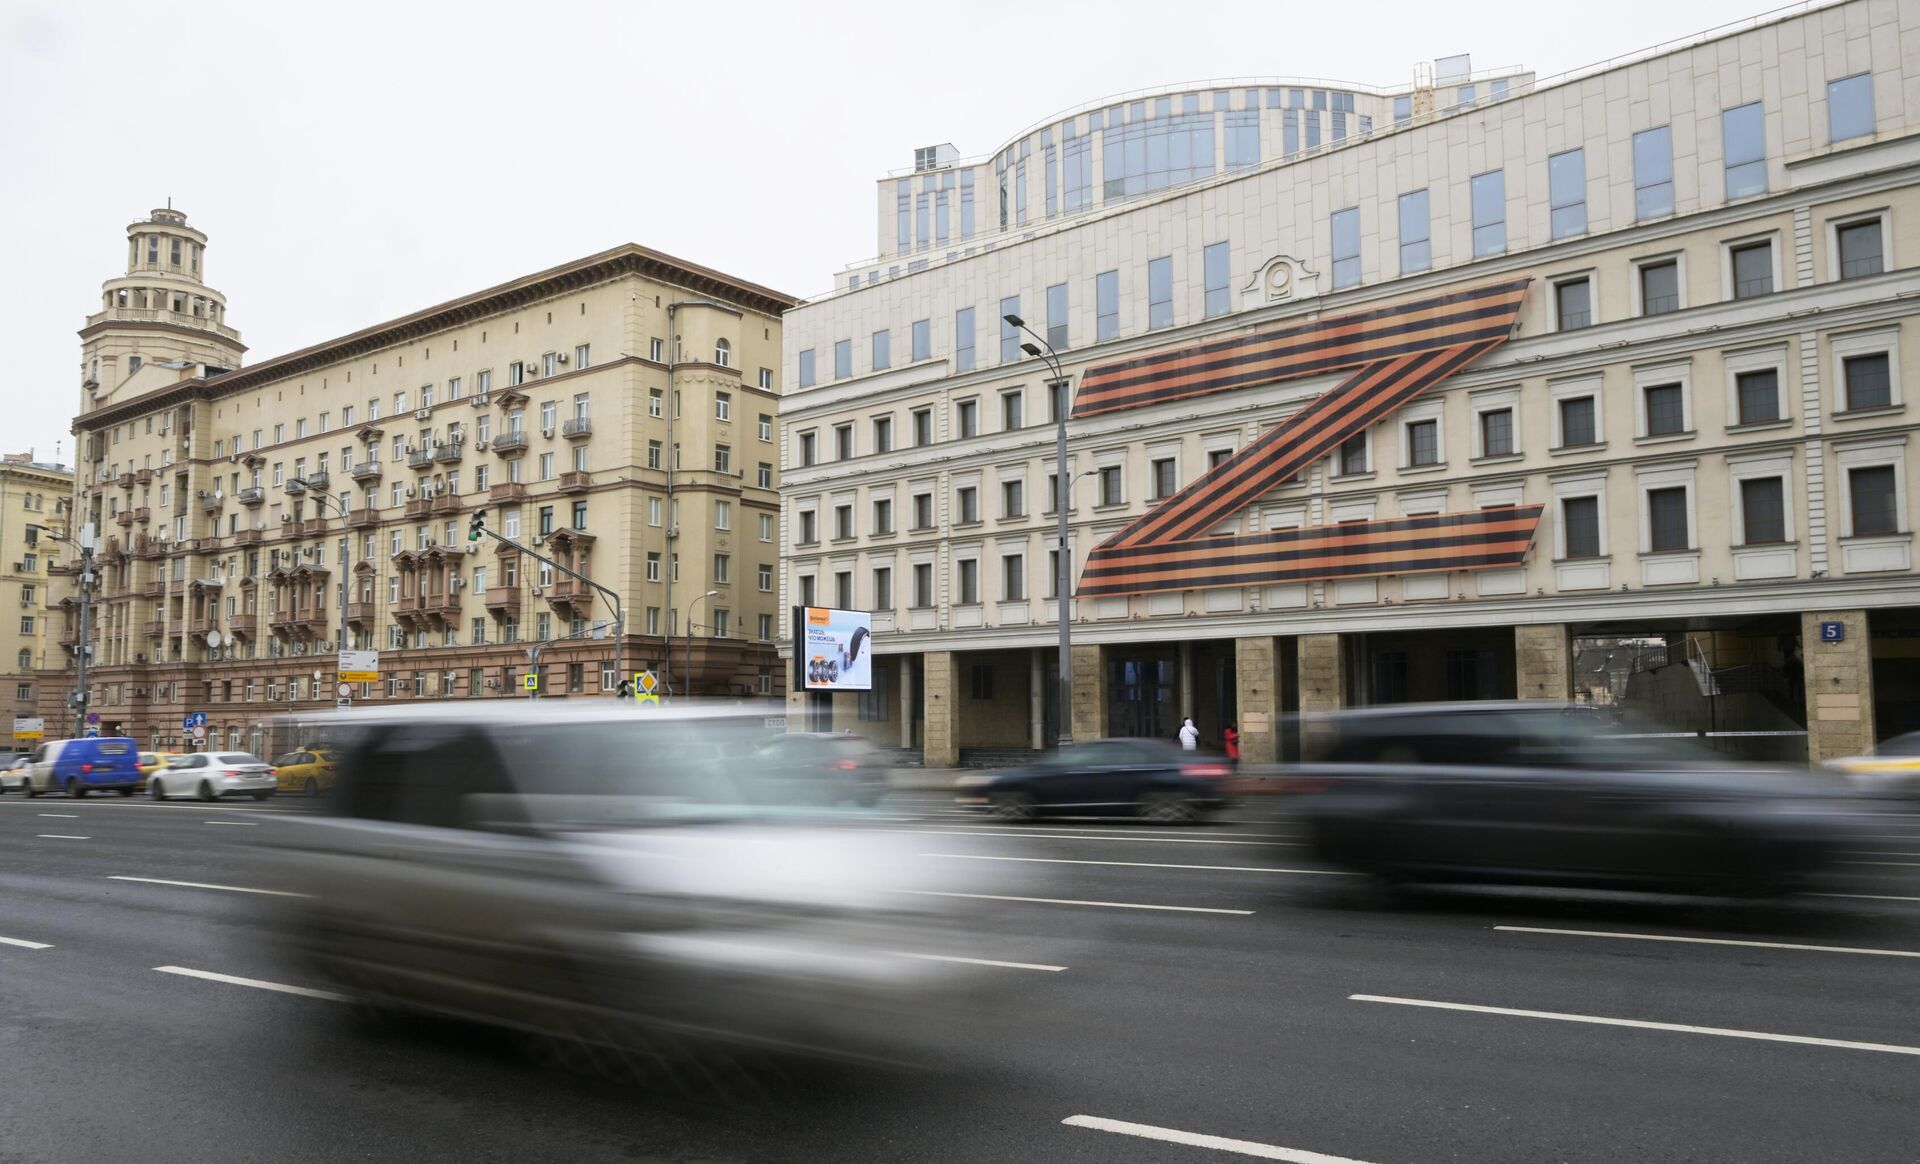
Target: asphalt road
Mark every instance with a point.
(1262, 1010)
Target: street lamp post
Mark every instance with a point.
(322, 499)
(79, 698)
(1063, 497)
(690, 606)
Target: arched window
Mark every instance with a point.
(26, 659)
(723, 353)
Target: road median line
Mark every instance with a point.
(255, 983)
(1251, 1148)
(208, 885)
(1708, 941)
(1071, 901)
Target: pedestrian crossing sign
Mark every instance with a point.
(530, 681)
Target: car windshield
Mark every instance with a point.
(622, 774)
(233, 758)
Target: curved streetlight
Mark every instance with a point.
(322, 498)
(695, 602)
(1063, 489)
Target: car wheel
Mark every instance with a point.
(76, 790)
(154, 790)
(1013, 804)
(1167, 807)
(27, 787)
(312, 787)
(206, 790)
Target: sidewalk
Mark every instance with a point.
(929, 779)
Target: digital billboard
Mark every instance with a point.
(832, 649)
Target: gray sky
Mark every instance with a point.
(359, 161)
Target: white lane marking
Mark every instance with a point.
(1897, 864)
(980, 962)
(25, 945)
(1076, 837)
(242, 824)
(1172, 831)
(1865, 896)
(62, 815)
(1709, 941)
(257, 984)
(1643, 1024)
(61, 837)
(1070, 901)
(1196, 1140)
(1143, 864)
(206, 885)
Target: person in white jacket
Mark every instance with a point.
(1189, 737)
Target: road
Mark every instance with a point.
(1173, 994)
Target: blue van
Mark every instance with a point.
(77, 767)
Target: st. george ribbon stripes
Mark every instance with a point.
(1394, 354)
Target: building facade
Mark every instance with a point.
(1607, 367)
(616, 415)
(34, 497)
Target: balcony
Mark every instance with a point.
(450, 452)
(210, 503)
(125, 518)
(143, 515)
(319, 481)
(142, 476)
(577, 481)
(202, 626)
(365, 471)
(446, 503)
(154, 588)
(248, 537)
(243, 624)
(126, 480)
(364, 519)
(251, 496)
(361, 613)
(313, 527)
(508, 443)
(579, 428)
(293, 487)
(314, 624)
(503, 599)
(161, 315)
(420, 507)
(507, 491)
(281, 622)
(419, 458)
(156, 627)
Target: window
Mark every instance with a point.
(546, 466)
(882, 350)
(923, 584)
(516, 373)
(545, 524)
(766, 527)
(1850, 107)
(653, 566)
(1013, 499)
(1872, 492)
(1216, 268)
(1489, 192)
(1653, 172)
(723, 353)
(882, 434)
(843, 442)
(1159, 293)
(655, 400)
(1757, 396)
(883, 588)
(1763, 510)
(764, 578)
(1106, 305)
(653, 454)
(808, 447)
(722, 568)
(1743, 142)
(763, 475)
(579, 515)
(966, 505)
(883, 515)
(1567, 193)
(1573, 303)
(1423, 443)
(1166, 477)
(963, 340)
(723, 406)
(722, 514)
(842, 359)
(1416, 249)
(1496, 432)
(923, 511)
(26, 624)
(1013, 577)
(1580, 519)
(1344, 227)
(842, 522)
(1752, 265)
(806, 375)
(1112, 485)
(1660, 287)
(1012, 412)
(1009, 334)
(967, 581)
(1868, 381)
(809, 531)
(1666, 409)
(1859, 247)
(843, 590)
(1353, 455)
(1057, 317)
(966, 419)
(1667, 524)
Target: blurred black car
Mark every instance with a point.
(1152, 779)
(1528, 793)
(822, 768)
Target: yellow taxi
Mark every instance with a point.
(308, 771)
(1892, 769)
(151, 762)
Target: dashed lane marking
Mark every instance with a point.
(255, 983)
(1708, 941)
(208, 885)
(1071, 901)
(1197, 1140)
(1144, 864)
(26, 945)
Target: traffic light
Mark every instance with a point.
(477, 526)
(625, 691)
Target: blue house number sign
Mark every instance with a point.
(1833, 632)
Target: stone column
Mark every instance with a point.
(907, 680)
(942, 749)
(1089, 709)
(1036, 699)
(1186, 680)
(1542, 661)
(1323, 687)
(1839, 679)
(1257, 692)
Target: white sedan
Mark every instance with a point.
(212, 775)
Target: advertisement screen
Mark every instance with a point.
(833, 649)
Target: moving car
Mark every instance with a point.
(89, 764)
(1153, 779)
(1555, 794)
(586, 878)
(212, 775)
(1892, 769)
(308, 771)
(819, 768)
(13, 778)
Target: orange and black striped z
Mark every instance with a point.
(1394, 354)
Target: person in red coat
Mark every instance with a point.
(1233, 744)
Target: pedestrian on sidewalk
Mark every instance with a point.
(1232, 738)
(1189, 736)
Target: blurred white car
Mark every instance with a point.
(212, 775)
(1892, 769)
(13, 778)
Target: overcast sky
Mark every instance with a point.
(351, 162)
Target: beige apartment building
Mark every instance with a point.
(1488, 386)
(34, 497)
(616, 414)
